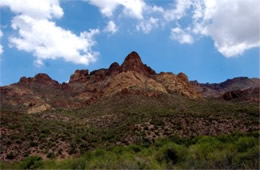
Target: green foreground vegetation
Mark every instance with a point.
(235, 151)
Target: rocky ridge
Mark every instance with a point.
(41, 93)
(230, 89)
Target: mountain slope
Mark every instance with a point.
(41, 93)
(127, 104)
(219, 89)
(120, 120)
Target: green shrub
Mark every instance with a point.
(236, 151)
(32, 162)
(248, 159)
(171, 154)
(245, 143)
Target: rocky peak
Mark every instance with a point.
(183, 77)
(79, 76)
(114, 68)
(24, 81)
(40, 78)
(132, 58)
(133, 62)
(84, 87)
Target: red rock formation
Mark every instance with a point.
(134, 63)
(79, 76)
(41, 92)
(183, 77)
(41, 78)
(113, 69)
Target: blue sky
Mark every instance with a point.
(204, 39)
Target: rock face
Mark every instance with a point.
(219, 89)
(251, 95)
(134, 63)
(79, 76)
(41, 78)
(41, 93)
(179, 84)
(113, 69)
(232, 94)
(40, 108)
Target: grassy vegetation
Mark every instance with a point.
(128, 128)
(234, 151)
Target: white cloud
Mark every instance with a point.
(234, 25)
(1, 47)
(179, 11)
(181, 36)
(38, 34)
(133, 8)
(48, 41)
(106, 7)
(111, 27)
(154, 8)
(147, 25)
(35, 8)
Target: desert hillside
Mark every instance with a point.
(143, 118)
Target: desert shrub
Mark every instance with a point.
(10, 156)
(236, 151)
(208, 152)
(50, 155)
(76, 163)
(157, 122)
(32, 162)
(171, 154)
(135, 148)
(245, 143)
(33, 144)
(247, 159)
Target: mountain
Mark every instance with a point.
(128, 117)
(41, 93)
(239, 86)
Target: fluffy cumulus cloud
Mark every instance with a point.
(48, 41)
(111, 27)
(1, 47)
(231, 24)
(37, 9)
(38, 33)
(234, 25)
(133, 8)
(181, 36)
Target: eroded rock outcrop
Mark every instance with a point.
(177, 84)
(133, 62)
(41, 93)
(79, 76)
(41, 78)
